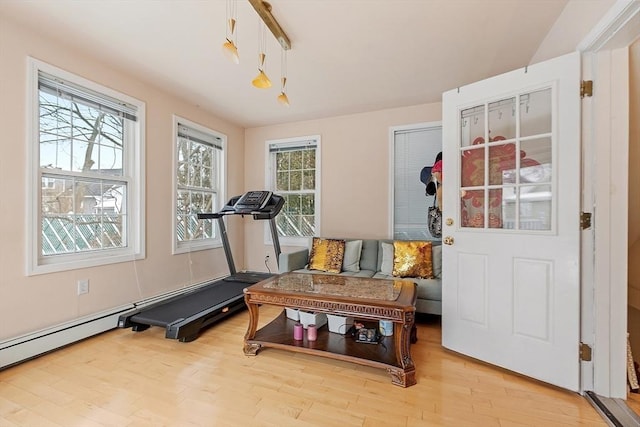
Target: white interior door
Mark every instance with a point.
(511, 253)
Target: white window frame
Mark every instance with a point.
(133, 174)
(201, 244)
(270, 185)
(428, 201)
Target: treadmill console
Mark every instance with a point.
(252, 201)
(260, 204)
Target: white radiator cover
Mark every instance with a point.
(25, 347)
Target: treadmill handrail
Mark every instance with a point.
(269, 210)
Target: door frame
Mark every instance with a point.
(605, 139)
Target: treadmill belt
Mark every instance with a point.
(250, 277)
(187, 305)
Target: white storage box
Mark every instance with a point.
(292, 313)
(307, 318)
(339, 324)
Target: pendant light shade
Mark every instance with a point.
(230, 51)
(283, 98)
(230, 47)
(261, 81)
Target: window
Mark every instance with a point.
(414, 147)
(293, 171)
(199, 165)
(85, 156)
(517, 157)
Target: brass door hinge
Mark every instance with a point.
(585, 352)
(585, 220)
(586, 88)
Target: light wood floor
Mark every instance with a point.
(122, 378)
(633, 402)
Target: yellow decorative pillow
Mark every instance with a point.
(412, 259)
(326, 255)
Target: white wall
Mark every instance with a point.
(31, 303)
(355, 172)
(571, 27)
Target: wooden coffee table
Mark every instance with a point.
(361, 298)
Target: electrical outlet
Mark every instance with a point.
(83, 286)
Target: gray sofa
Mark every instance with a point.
(371, 265)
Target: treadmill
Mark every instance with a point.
(185, 315)
(262, 205)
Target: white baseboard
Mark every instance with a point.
(28, 346)
(25, 347)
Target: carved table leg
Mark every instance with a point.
(404, 376)
(251, 349)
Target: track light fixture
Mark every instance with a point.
(230, 47)
(263, 9)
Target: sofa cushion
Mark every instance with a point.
(385, 258)
(429, 289)
(436, 253)
(412, 259)
(386, 265)
(326, 255)
(369, 255)
(352, 251)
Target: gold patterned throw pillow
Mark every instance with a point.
(326, 255)
(412, 259)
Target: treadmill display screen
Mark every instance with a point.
(252, 201)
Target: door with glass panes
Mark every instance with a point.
(511, 220)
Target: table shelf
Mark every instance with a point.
(279, 334)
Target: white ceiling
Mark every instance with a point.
(347, 56)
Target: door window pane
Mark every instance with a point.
(495, 208)
(506, 182)
(535, 113)
(509, 207)
(501, 158)
(472, 167)
(502, 119)
(472, 126)
(536, 152)
(535, 207)
(472, 208)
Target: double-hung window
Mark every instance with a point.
(86, 173)
(199, 165)
(293, 172)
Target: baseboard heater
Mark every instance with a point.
(28, 346)
(25, 347)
